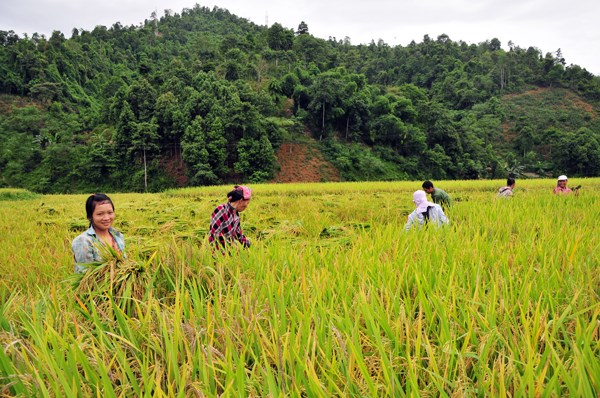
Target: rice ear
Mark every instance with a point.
(114, 279)
(107, 252)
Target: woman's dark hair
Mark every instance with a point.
(93, 200)
(235, 195)
(510, 181)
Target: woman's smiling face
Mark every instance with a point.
(103, 216)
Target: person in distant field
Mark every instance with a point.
(225, 229)
(507, 191)
(561, 186)
(425, 213)
(439, 196)
(101, 214)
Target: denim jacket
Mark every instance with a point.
(85, 252)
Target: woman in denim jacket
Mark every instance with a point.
(101, 214)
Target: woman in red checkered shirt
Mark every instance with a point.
(225, 227)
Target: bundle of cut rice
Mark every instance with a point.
(115, 277)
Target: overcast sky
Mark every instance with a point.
(572, 26)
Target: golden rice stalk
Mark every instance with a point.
(124, 280)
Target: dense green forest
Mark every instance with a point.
(205, 97)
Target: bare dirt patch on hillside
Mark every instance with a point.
(575, 100)
(300, 162)
(8, 102)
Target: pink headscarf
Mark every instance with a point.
(420, 199)
(247, 192)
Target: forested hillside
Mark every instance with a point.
(205, 97)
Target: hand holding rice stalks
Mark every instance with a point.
(114, 278)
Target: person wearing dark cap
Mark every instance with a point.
(438, 196)
(225, 229)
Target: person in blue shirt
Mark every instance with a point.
(101, 214)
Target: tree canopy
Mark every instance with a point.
(198, 97)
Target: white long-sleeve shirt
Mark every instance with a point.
(436, 217)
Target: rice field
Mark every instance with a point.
(333, 298)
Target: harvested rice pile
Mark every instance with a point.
(115, 277)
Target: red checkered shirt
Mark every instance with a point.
(225, 227)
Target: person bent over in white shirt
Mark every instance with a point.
(426, 212)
